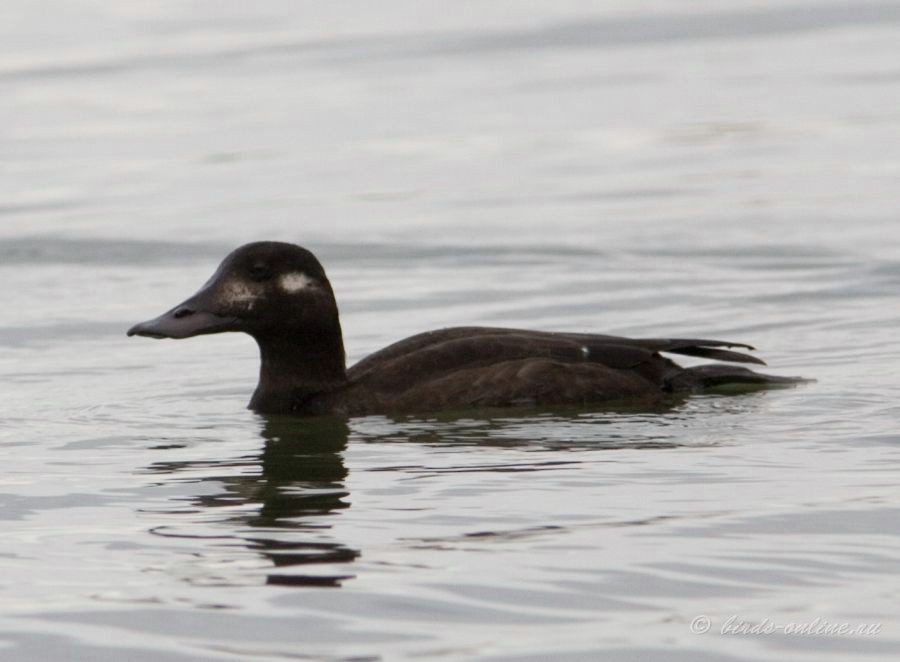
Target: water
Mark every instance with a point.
(674, 169)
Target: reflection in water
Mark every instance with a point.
(301, 481)
(561, 428)
(278, 503)
(303, 476)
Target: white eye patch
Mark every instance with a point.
(295, 281)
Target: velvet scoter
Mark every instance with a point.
(278, 294)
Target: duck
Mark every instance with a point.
(278, 293)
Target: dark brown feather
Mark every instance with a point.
(292, 315)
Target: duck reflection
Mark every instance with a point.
(300, 484)
(303, 477)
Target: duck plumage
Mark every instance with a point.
(279, 294)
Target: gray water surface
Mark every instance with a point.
(654, 169)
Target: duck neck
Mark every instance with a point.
(297, 368)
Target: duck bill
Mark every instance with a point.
(193, 317)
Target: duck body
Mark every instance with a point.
(278, 293)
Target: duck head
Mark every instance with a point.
(278, 294)
(266, 289)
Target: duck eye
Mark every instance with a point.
(259, 271)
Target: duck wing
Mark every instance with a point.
(487, 369)
(459, 347)
(703, 348)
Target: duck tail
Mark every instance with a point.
(704, 377)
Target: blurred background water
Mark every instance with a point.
(664, 168)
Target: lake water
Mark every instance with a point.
(666, 168)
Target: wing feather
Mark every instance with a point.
(460, 347)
